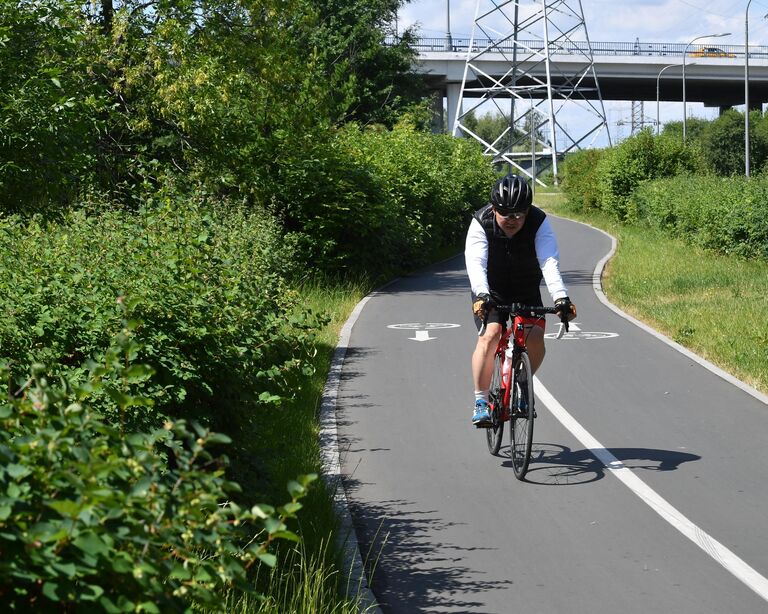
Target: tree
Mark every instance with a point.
(48, 106)
(493, 125)
(370, 82)
(722, 142)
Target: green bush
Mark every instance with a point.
(435, 181)
(381, 201)
(96, 519)
(580, 179)
(220, 326)
(638, 159)
(727, 215)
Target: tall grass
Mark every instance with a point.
(303, 584)
(310, 576)
(712, 304)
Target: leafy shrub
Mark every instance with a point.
(382, 201)
(729, 215)
(94, 518)
(580, 180)
(220, 325)
(723, 143)
(694, 128)
(638, 159)
(436, 179)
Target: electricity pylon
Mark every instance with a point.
(637, 120)
(532, 61)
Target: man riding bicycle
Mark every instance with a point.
(510, 248)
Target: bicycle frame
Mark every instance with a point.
(516, 333)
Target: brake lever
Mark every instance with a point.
(563, 326)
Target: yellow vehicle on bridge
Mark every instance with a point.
(711, 52)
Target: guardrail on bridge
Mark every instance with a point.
(454, 45)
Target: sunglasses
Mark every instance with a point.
(511, 216)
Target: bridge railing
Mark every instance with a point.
(675, 50)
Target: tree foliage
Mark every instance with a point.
(50, 109)
(111, 97)
(493, 128)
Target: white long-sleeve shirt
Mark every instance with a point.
(547, 253)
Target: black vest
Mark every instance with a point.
(514, 274)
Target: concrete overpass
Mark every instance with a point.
(625, 71)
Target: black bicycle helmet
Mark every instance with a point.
(511, 194)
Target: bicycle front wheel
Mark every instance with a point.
(521, 418)
(495, 432)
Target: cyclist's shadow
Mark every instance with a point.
(557, 465)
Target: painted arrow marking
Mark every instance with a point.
(422, 335)
(421, 330)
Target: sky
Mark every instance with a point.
(677, 21)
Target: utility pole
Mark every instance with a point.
(546, 67)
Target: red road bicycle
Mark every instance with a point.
(511, 393)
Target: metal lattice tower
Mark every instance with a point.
(638, 120)
(535, 92)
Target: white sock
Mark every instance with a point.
(481, 395)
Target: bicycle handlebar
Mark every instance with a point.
(519, 309)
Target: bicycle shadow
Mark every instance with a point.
(558, 465)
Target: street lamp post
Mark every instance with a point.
(685, 53)
(658, 77)
(448, 40)
(746, 90)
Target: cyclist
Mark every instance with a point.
(510, 247)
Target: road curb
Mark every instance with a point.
(597, 286)
(357, 581)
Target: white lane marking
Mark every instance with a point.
(720, 553)
(574, 327)
(422, 330)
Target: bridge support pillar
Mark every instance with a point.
(453, 96)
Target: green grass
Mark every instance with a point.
(710, 303)
(310, 576)
(303, 583)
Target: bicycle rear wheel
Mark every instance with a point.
(495, 432)
(521, 417)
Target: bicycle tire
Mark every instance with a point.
(521, 420)
(495, 432)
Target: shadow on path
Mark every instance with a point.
(557, 465)
(419, 564)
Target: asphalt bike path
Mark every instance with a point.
(645, 491)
